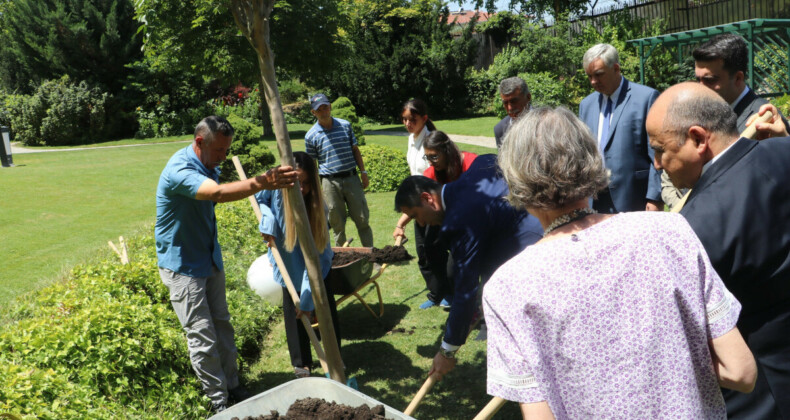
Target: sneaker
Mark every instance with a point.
(428, 304)
(238, 394)
(301, 372)
(218, 407)
(445, 303)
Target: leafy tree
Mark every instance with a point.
(88, 40)
(396, 50)
(201, 38)
(538, 8)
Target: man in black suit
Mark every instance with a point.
(721, 64)
(516, 99)
(739, 208)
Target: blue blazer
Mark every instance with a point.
(482, 231)
(627, 152)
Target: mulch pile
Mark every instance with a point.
(389, 254)
(320, 409)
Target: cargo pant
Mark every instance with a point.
(199, 303)
(342, 191)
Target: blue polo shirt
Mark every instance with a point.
(332, 147)
(186, 228)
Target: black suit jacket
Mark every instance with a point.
(740, 209)
(749, 105)
(500, 129)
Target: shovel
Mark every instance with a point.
(490, 409)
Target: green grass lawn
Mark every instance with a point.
(61, 208)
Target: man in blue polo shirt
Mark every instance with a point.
(331, 141)
(190, 261)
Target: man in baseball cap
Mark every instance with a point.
(331, 141)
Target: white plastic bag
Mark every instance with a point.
(260, 278)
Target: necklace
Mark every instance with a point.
(571, 217)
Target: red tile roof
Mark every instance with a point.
(463, 17)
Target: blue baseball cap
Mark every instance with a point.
(317, 100)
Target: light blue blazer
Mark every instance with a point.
(627, 152)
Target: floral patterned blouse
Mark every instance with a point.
(612, 322)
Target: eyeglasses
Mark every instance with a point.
(431, 158)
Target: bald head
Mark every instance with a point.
(690, 104)
(688, 126)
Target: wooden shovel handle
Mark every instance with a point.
(490, 409)
(751, 130)
(429, 383)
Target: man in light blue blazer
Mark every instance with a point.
(616, 115)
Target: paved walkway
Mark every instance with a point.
(476, 140)
(17, 148)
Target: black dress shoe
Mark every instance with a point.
(238, 394)
(218, 407)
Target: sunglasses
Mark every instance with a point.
(431, 158)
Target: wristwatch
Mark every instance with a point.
(450, 354)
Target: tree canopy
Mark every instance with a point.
(90, 40)
(202, 37)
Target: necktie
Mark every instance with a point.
(607, 115)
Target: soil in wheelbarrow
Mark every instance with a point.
(389, 254)
(320, 409)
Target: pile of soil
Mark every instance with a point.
(320, 409)
(389, 254)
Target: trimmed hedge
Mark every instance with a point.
(105, 343)
(254, 156)
(387, 167)
(343, 108)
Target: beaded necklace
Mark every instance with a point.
(571, 217)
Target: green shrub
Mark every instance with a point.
(105, 342)
(59, 113)
(343, 109)
(292, 91)
(298, 113)
(254, 157)
(160, 122)
(386, 166)
(782, 103)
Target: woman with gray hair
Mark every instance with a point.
(608, 316)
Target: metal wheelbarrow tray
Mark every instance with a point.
(281, 397)
(347, 280)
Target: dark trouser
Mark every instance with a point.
(768, 339)
(435, 262)
(295, 334)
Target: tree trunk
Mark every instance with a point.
(252, 17)
(266, 122)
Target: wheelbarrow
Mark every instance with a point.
(349, 279)
(281, 397)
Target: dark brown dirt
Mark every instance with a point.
(389, 254)
(320, 409)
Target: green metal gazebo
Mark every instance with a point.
(769, 51)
